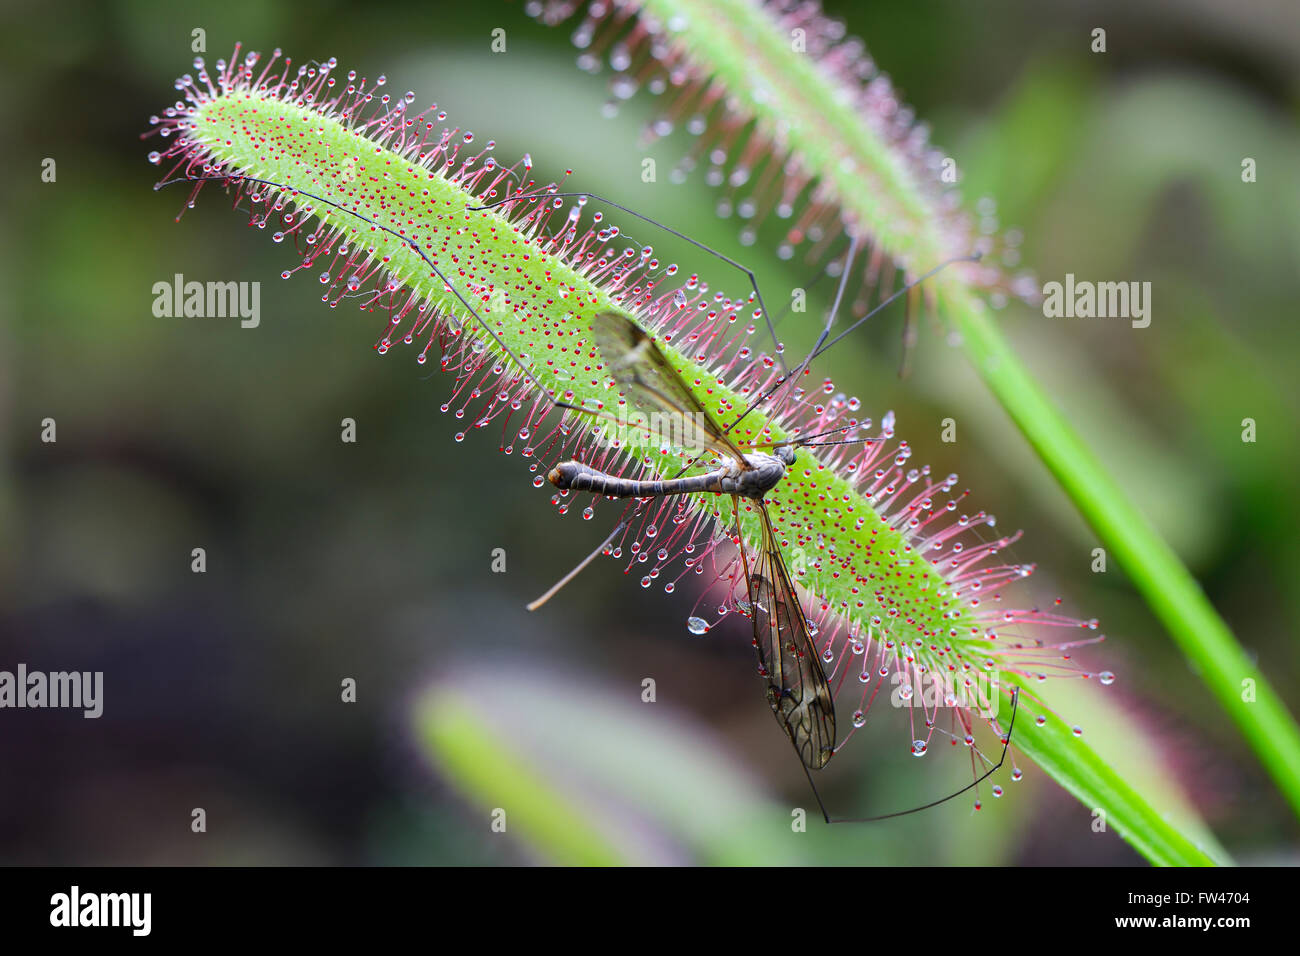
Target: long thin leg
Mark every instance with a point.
(808, 286)
(533, 380)
(909, 336)
(813, 352)
(822, 348)
(835, 308)
(973, 257)
(753, 280)
(505, 348)
(551, 592)
(1015, 705)
(750, 593)
(819, 348)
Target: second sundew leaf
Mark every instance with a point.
(379, 201)
(799, 124)
(786, 96)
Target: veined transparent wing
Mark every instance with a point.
(797, 689)
(650, 383)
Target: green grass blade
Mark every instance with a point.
(1169, 588)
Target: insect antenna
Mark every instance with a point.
(1006, 744)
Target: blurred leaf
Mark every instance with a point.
(488, 771)
(587, 777)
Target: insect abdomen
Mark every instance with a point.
(576, 476)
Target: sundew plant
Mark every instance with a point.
(473, 263)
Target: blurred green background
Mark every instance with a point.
(373, 561)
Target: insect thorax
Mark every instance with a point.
(760, 478)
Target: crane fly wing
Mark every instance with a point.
(650, 382)
(797, 688)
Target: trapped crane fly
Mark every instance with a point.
(796, 686)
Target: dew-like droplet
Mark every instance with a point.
(1106, 677)
(697, 625)
(859, 718)
(919, 748)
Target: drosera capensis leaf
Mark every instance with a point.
(377, 199)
